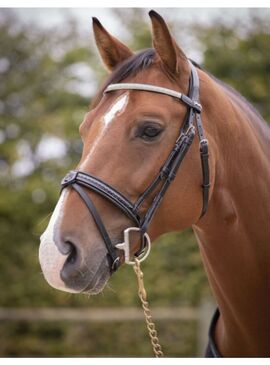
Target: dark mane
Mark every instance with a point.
(132, 66)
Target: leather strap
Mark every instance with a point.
(113, 259)
(169, 177)
(203, 142)
(100, 187)
(206, 178)
(211, 334)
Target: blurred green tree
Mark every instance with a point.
(239, 55)
(40, 110)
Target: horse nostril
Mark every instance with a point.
(72, 252)
(70, 270)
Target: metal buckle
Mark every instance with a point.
(191, 129)
(197, 106)
(203, 141)
(204, 146)
(126, 247)
(115, 264)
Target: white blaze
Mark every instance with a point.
(50, 258)
(116, 109)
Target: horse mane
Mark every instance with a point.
(132, 66)
(128, 68)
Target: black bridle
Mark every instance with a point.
(78, 179)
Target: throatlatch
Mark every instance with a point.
(78, 179)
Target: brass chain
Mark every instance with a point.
(147, 314)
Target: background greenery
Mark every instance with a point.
(41, 104)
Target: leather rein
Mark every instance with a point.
(79, 180)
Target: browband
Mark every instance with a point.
(156, 89)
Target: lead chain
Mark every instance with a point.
(146, 310)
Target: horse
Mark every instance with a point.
(127, 137)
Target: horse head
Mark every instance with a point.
(127, 137)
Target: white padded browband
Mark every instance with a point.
(156, 89)
(144, 87)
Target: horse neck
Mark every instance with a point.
(234, 234)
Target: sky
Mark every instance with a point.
(54, 17)
(49, 17)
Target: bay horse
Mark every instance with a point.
(127, 137)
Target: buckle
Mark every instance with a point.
(125, 246)
(197, 106)
(164, 172)
(204, 146)
(70, 178)
(115, 264)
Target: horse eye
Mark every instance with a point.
(150, 132)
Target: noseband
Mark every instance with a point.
(78, 179)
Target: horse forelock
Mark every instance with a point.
(135, 64)
(128, 68)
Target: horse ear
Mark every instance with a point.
(111, 50)
(164, 44)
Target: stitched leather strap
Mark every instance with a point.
(113, 259)
(107, 191)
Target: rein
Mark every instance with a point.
(79, 180)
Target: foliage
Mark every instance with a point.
(240, 56)
(40, 102)
(36, 105)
